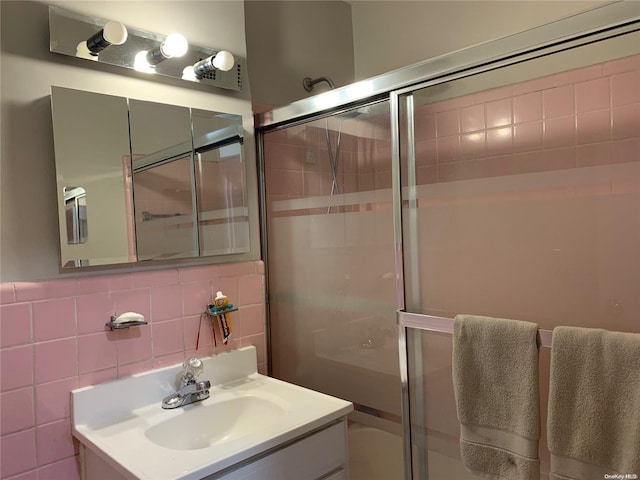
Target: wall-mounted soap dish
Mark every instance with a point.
(125, 320)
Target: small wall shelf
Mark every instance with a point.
(220, 312)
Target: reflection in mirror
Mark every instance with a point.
(164, 211)
(223, 222)
(162, 180)
(91, 138)
(75, 206)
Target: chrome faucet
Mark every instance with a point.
(191, 390)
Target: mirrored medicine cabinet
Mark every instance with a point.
(140, 181)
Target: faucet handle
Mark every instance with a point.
(192, 369)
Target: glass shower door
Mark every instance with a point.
(331, 274)
(521, 200)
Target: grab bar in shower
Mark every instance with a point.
(433, 323)
(146, 216)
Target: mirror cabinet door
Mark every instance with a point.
(142, 181)
(164, 200)
(223, 221)
(91, 139)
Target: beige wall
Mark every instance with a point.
(357, 39)
(392, 34)
(29, 247)
(290, 40)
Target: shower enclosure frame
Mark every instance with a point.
(597, 24)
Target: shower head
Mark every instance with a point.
(353, 113)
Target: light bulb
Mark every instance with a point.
(188, 73)
(115, 33)
(223, 60)
(82, 51)
(141, 63)
(175, 45)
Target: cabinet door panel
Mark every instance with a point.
(309, 459)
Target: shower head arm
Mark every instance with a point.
(308, 82)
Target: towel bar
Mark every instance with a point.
(433, 323)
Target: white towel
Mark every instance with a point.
(495, 380)
(594, 404)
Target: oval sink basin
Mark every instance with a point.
(204, 424)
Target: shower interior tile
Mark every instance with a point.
(625, 121)
(527, 108)
(499, 113)
(559, 131)
(558, 102)
(472, 118)
(592, 95)
(593, 127)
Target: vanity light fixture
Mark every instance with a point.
(223, 60)
(144, 51)
(175, 45)
(113, 33)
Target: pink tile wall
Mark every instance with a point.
(584, 117)
(53, 339)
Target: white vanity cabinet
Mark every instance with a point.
(321, 455)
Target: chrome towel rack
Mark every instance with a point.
(434, 323)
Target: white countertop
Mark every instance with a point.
(113, 419)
